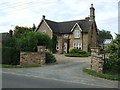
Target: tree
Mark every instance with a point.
(54, 42)
(30, 41)
(19, 30)
(27, 42)
(103, 34)
(113, 49)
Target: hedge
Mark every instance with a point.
(76, 55)
(10, 55)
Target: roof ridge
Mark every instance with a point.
(72, 20)
(51, 20)
(67, 21)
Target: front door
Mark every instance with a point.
(65, 47)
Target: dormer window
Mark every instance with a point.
(77, 34)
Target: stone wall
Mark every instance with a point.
(33, 58)
(96, 60)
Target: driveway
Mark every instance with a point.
(67, 69)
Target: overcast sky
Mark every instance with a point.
(27, 12)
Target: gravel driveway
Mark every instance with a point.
(67, 69)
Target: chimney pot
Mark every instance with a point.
(43, 16)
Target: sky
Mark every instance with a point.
(27, 12)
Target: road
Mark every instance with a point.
(67, 73)
(21, 81)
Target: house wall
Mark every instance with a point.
(92, 37)
(60, 43)
(73, 40)
(46, 28)
(85, 42)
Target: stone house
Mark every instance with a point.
(80, 34)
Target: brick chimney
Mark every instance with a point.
(43, 16)
(92, 13)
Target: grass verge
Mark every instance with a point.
(105, 76)
(18, 66)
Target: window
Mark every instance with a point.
(77, 45)
(77, 34)
(65, 35)
(44, 31)
(57, 46)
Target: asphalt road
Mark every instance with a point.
(66, 73)
(21, 81)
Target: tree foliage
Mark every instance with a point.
(30, 41)
(103, 34)
(54, 42)
(113, 62)
(27, 42)
(19, 30)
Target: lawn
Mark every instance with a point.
(18, 66)
(101, 75)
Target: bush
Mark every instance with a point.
(112, 64)
(73, 50)
(10, 56)
(76, 55)
(50, 58)
(82, 52)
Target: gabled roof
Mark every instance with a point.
(65, 27)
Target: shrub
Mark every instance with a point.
(10, 56)
(76, 55)
(82, 52)
(112, 64)
(50, 58)
(73, 50)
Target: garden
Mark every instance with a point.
(74, 52)
(26, 41)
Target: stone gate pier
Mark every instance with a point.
(97, 61)
(33, 58)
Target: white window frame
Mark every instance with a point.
(57, 46)
(77, 45)
(65, 35)
(77, 34)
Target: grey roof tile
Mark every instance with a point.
(65, 27)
